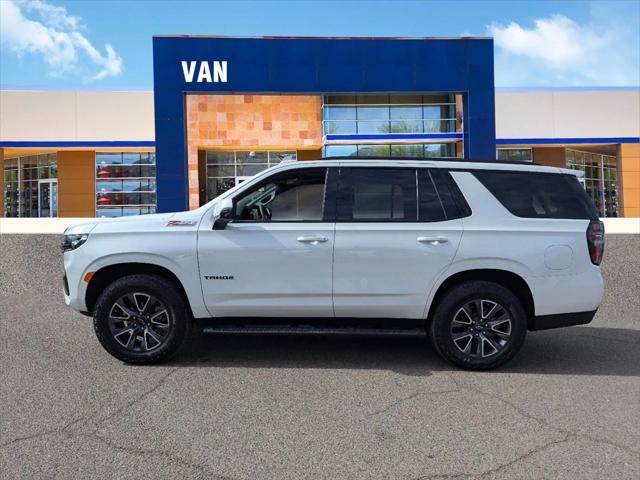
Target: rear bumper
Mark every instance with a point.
(545, 322)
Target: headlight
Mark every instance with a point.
(71, 242)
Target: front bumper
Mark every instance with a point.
(545, 322)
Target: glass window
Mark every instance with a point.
(515, 154)
(373, 113)
(539, 195)
(430, 207)
(340, 113)
(221, 157)
(440, 150)
(374, 150)
(405, 113)
(21, 185)
(406, 126)
(217, 186)
(341, 151)
(382, 114)
(108, 158)
(418, 150)
(453, 202)
(407, 150)
(340, 128)
(125, 183)
(377, 195)
(277, 157)
(252, 157)
(288, 197)
(600, 179)
(226, 169)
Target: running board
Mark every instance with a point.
(306, 330)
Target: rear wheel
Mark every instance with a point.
(141, 319)
(478, 325)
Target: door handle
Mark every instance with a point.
(433, 240)
(312, 239)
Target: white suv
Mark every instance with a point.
(475, 253)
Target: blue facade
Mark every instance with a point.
(317, 66)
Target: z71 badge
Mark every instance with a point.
(181, 223)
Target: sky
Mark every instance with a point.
(106, 45)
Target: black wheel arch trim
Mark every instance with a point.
(110, 273)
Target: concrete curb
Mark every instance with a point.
(58, 225)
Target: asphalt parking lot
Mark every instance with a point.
(254, 407)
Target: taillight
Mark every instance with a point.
(595, 241)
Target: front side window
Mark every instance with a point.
(294, 196)
(377, 195)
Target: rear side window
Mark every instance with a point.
(453, 202)
(430, 208)
(539, 195)
(377, 195)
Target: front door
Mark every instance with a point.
(391, 243)
(275, 257)
(47, 198)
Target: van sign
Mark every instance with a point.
(207, 72)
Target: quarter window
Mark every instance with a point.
(539, 195)
(295, 196)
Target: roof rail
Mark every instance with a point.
(417, 159)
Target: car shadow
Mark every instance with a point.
(569, 351)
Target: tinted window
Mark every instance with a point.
(377, 195)
(453, 202)
(430, 207)
(289, 197)
(539, 195)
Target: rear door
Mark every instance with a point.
(393, 238)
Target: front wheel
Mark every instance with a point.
(478, 325)
(141, 319)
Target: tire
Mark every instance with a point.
(478, 325)
(140, 331)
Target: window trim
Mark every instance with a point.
(269, 179)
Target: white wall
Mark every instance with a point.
(568, 114)
(88, 116)
(76, 116)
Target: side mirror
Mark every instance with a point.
(225, 216)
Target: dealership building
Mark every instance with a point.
(224, 109)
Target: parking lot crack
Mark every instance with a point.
(140, 397)
(545, 424)
(407, 398)
(158, 453)
(53, 431)
(494, 470)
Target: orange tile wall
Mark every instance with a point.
(629, 178)
(249, 122)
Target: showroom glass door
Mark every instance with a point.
(47, 198)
